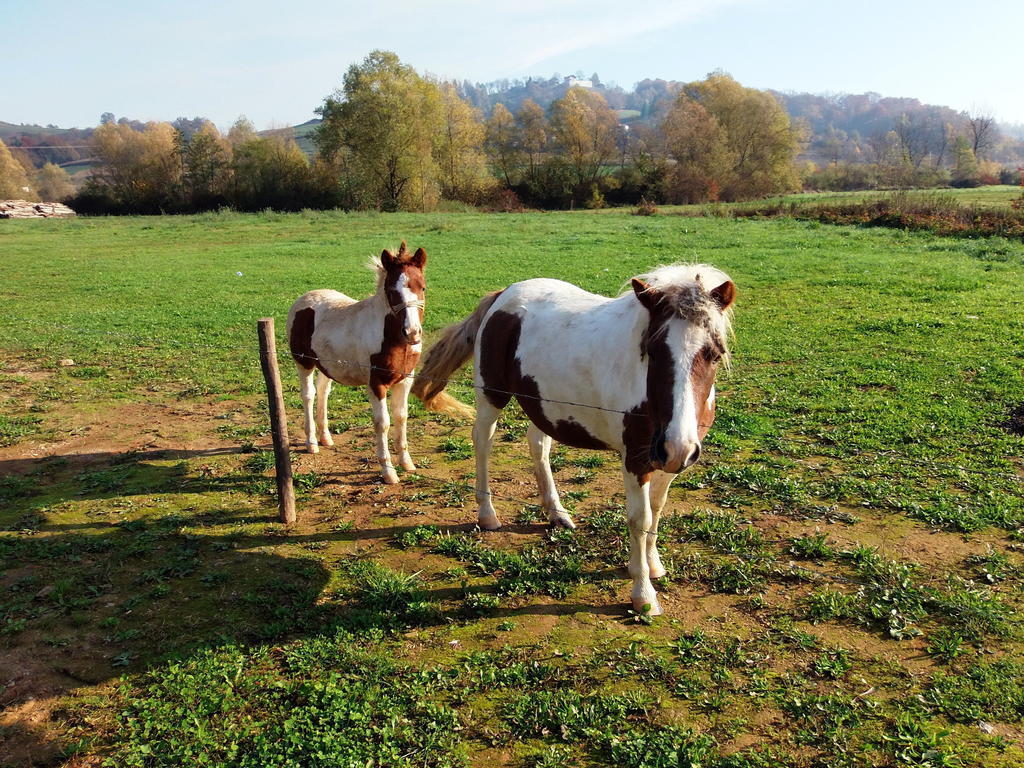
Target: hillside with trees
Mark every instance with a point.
(391, 138)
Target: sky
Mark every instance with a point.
(276, 62)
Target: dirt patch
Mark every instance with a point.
(1014, 423)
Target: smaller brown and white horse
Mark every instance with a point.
(374, 342)
(642, 365)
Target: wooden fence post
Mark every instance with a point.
(278, 421)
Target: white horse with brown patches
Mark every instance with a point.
(642, 365)
(374, 342)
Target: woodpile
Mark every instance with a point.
(23, 209)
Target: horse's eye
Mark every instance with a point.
(711, 355)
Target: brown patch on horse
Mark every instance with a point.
(300, 340)
(648, 421)
(395, 359)
(637, 435)
(702, 379)
(503, 379)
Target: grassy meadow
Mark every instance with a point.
(846, 562)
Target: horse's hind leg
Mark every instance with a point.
(483, 440)
(540, 450)
(660, 481)
(399, 417)
(382, 425)
(323, 390)
(307, 390)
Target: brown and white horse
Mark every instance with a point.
(642, 365)
(375, 342)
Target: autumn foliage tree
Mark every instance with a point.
(386, 118)
(140, 169)
(585, 128)
(13, 178)
(53, 184)
(462, 165)
(752, 140)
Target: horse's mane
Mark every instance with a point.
(687, 288)
(373, 264)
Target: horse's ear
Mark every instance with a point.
(387, 259)
(724, 295)
(643, 291)
(419, 259)
(402, 250)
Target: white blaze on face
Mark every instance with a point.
(411, 314)
(711, 398)
(681, 434)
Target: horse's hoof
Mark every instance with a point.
(657, 571)
(562, 520)
(491, 523)
(389, 476)
(639, 603)
(407, 465)
(327, 440)
(312, 447)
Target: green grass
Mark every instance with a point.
(844, 566)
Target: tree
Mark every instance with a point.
(462, 166)
(533, 133)
(13, 178)
(387, 117)
(139, 169)
(54, 184)
(760, 139)
(205, 162)
(501, 142)
(983, 133)
(965, 172)
(241, 131)
(585, 129)
(270, 172)
(704, 161)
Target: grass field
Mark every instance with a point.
(997, 196)
(845, 563)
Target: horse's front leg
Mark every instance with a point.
(381, 424)
(660, 482)
(540, 451)
(323, 391)
(640, 519)
(483, 440)
(399, 416)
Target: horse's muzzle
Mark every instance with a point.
(686, 456)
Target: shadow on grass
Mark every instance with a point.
(83, 602)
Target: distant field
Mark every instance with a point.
(996, 196)
(846, 575)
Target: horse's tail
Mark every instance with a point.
(449, 354)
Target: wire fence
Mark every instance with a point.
(287, 357)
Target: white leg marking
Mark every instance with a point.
(381, 425)
(399, 417)
(307, 390)
(660, 482)
(483, 439)
(323, 391)
(640, 519)
(540, 451)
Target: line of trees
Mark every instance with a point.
(393, 139)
